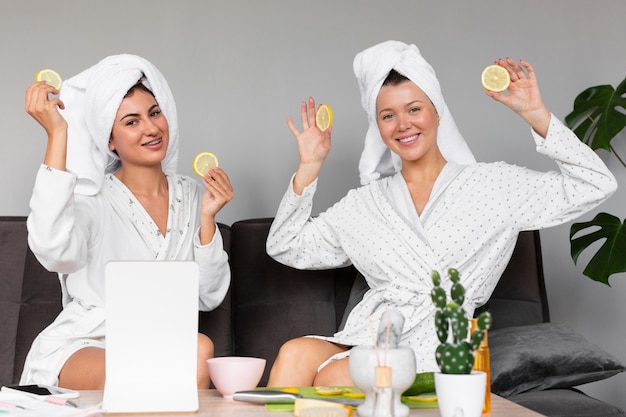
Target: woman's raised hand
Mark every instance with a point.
(313, 146)
(217, 192)
(524, 97)
(45, 109)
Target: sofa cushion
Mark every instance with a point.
(30, 298)
(217, 323)
(273, 303)
(544, 356)
(565, 403)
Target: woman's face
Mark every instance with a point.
(140, 133)
(407, 120)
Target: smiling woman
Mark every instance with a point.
(108, 190)
(424, 205)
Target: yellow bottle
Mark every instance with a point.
(482, 363)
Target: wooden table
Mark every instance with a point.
(212, 404)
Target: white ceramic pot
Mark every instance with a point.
(461, 395)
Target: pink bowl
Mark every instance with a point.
(230, 374)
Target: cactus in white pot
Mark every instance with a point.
(458, 388)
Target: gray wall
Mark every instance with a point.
(238, 68)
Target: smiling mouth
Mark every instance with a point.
(408, 139)
(154, 142)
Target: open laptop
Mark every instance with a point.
(151, 336)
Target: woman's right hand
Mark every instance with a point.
(313, 146)
(45, 110)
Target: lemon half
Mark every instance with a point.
(495, 78)
(203, 162)
(324, 117)
(51, 77)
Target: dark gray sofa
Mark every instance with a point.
(534, 362)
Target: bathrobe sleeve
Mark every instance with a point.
(62, 226)
(301, 241)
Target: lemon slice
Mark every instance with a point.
(293, 390)
(329, 390)
(51, 77)
(203, 162)
(423, 398)
(495, 78)
(353, 394)
(324, 117)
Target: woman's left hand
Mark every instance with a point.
(524, 97)
(218, 191)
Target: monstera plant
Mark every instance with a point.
(599, 115)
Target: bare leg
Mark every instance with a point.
(298, 360)
(205, 351)
(84, 370)
(335, 373)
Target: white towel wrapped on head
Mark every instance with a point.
(371, 68)
(92, 99)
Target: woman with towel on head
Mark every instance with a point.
(108, 190)
(424, 205)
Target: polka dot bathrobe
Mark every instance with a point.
(470, 222)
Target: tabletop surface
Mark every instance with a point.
(212, 404)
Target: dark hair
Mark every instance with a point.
(139, 86)
(394, 78)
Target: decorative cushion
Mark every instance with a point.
(568, 402)
(544, 356)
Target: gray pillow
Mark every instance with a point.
(542, 356)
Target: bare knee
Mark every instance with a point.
(84, 370)
(293, 350)
(335, 373)
(206, 350)
(298, 360)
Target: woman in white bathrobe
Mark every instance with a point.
(425, 205)
(108, 190)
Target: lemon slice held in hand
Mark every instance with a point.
(203, 162)
(495, 78)
(51, 77)
(324, 117)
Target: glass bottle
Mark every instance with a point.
(482, 363)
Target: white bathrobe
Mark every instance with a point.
(76, 235)
(470, 222)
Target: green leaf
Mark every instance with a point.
(611, 256)
(599, 115)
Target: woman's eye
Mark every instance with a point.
(387, 116)
(155, 112)
(414, 110)
(131, 122)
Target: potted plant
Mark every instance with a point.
(599, 115)
(457, 386)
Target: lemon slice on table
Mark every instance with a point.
(495, 78)
(423, 398)
(324, 117)
(51, 77)
(203, 162)
(350, 393)
(329, 391)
